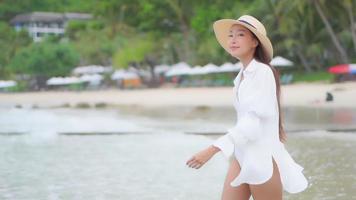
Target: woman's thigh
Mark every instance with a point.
(272, 189)
(241, 192)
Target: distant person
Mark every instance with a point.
(175, 79)
(260, 166)
(329, 96)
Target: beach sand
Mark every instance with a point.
(300, 94)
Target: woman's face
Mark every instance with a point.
(241, 41)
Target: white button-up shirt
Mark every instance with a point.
(254, 139)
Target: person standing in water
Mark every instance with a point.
(260, 165)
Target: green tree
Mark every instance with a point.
(335, 40)
(95, 47)
(45, 59)
(139, 52)
(10, 42)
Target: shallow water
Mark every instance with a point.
(145, 158)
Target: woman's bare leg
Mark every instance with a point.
(241, 192)
(272, 189)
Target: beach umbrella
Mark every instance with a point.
(93, 79)
(122, 74)
(181, 65)
(343, 69)
(91, 69)
(238, 65)
(6, 84)
(229, 67)
(196, 70)
(178, 69)
(210, 68)
(63, 80)
(161, 69)
(280, 61)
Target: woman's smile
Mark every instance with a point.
(233, 48)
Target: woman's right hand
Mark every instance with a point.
(200, 158)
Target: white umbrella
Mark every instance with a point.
(196, 70)
(6, 84)
(93, 79)
(122, 74)
(91, 69)
(210, 68)
(63, 80)
(178, 69)
(229, 67)
(181, 65)
(161, 69)
(280, 61)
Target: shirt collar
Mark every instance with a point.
(248, 70)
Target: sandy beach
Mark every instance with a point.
(300, 94)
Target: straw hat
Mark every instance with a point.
(222, 27)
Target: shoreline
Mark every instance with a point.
(293, 95)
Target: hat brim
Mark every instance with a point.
(222, 28)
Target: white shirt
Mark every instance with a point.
(254, 139)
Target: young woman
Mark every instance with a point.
(261, 166)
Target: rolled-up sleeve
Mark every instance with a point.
(225, 144)
(259, 103)
(247, 129)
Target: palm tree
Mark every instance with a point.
(343, 55)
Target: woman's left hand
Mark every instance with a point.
(200, 158)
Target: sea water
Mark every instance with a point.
(110, 154)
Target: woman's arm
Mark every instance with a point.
(224, 144)
(214, 149)
(200, 158)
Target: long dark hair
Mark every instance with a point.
(262, 57)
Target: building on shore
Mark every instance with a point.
(40, 24)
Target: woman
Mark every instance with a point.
(261, 166)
